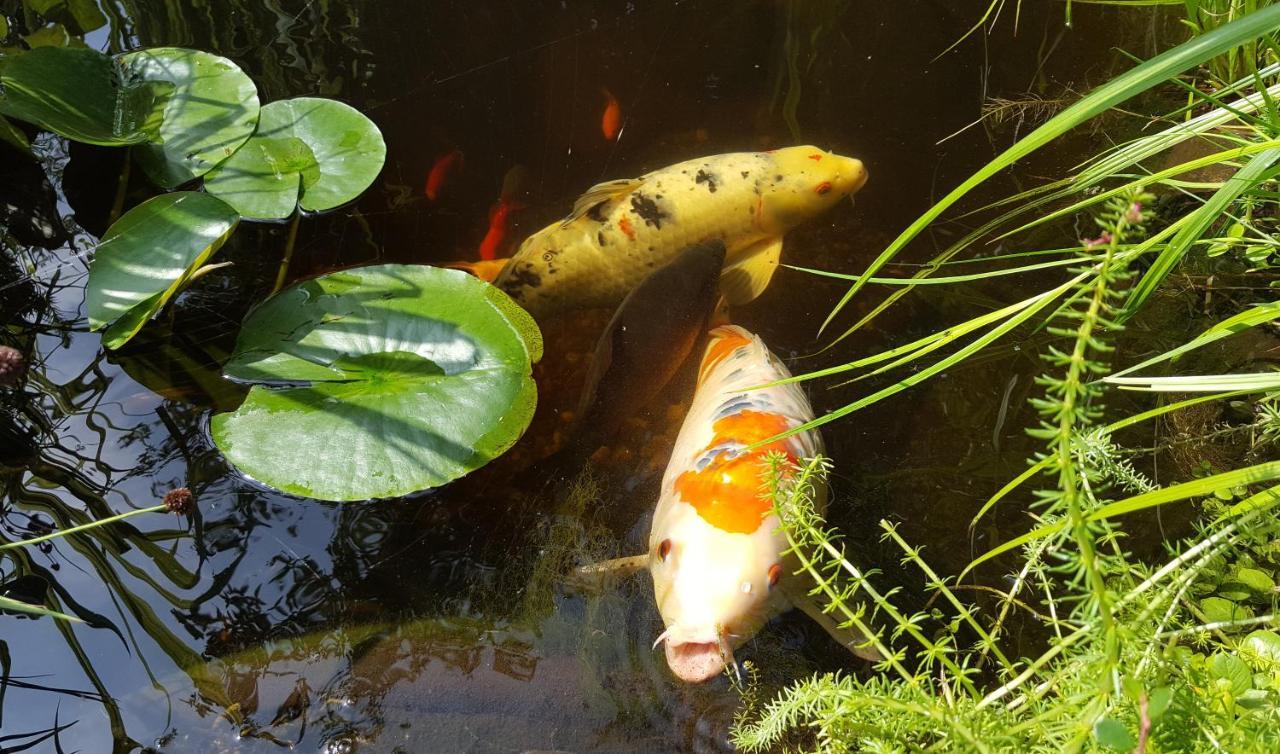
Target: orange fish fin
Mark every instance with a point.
(601, 193)
(487, 270)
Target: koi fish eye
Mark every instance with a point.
(823, 188)
(775, 573)
(664, 549)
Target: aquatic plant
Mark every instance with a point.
(1135, 654)
(186, 115)
(379, 381)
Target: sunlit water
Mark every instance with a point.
(441, 622)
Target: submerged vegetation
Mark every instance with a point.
(1135, 651)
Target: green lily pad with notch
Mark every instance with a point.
(379, 381)
(211, 111)
(272, 174)
(147, 256)
(77, 93)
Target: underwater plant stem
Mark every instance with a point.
(122, 187)
(1068, 479)
(283, 274)
(83, 527)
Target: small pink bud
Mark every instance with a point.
(1093, 243)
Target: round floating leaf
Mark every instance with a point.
(211, 111)
(381, 380)
(308, 152)
(75, 92)
(147, 255)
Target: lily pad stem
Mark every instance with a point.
(122, 187)
(288, 251)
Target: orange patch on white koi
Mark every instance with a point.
(727, 493)
(625, 226)
(726, 342)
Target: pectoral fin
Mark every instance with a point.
(747, 277)
(596, 577)
(601, 193)
(850, 638)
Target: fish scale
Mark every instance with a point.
(620, 231)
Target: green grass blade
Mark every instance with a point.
(1115, 426)
(1115, 91)
(18, 606)
(1196, 488)
(1200, 383)
(1243, 321)
(1203, 216)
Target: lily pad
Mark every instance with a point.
(211, 111)
(379, 381)
(77, 93)
(308, 152)
(146, 257)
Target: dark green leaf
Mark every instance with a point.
(211, 111)
(147, 255)
(417, 375)
(344, 152)
(76, 92)
(1158, 702)
(1113, 735)
(1232, 669)
(11, 134)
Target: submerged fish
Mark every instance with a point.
(715, 550)
(499, 227)
(441, 172)
(611, 118)
(620, 231)
(646, 342)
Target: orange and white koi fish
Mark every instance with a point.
(442, 171)
(715, 548)
(611, 119)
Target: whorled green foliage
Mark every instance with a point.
(308, 153)
(379, 381)
(1171, 695)
(147, 255)
(210, 111)
(79, 93)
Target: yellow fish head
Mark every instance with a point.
(807, 182)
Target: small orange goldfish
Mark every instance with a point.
(611, 120)
(441, 171)
(499, 226)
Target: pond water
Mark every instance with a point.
(440, 622)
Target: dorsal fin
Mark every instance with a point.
(599, 194)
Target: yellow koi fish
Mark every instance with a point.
(620, 231)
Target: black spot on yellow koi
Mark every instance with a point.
(648, 210)
(597, 212)
(707, 178)
(746, 173)
(600, 239)
(522, 277)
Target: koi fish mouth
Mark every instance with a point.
(695, 661)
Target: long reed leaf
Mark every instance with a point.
(1135, 81)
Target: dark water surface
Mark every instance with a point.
(439, 622)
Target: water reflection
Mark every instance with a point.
(440, 622)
